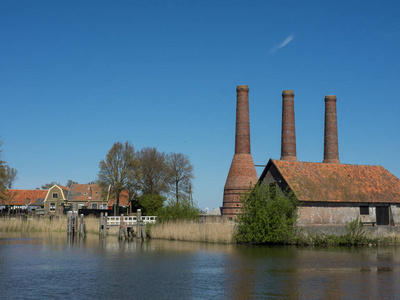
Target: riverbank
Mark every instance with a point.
(221, 231)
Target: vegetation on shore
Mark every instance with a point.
(267, 217)
(44, 224)
(192, 230)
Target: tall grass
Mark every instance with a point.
(189, 230)
(44, 225)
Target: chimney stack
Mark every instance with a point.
(331, 145)
(288, 144)
(242, 173)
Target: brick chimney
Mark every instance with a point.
(242, 173)
(288, 144)
(331, 145)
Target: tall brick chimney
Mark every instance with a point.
(331, 144)
(288, 143)
(242, 173)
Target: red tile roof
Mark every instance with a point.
(340, 182)
(85, 192)
(21, 197)
(123, 199)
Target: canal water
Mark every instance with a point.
(41, 266)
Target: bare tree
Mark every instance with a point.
(119, 170)
(181, 174)
(70, 183)
(49, 185)
(154, 172)
(7, 195)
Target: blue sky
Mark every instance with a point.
(77, 76)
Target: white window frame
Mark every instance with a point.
(52, 206)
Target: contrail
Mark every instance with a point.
(283, 44)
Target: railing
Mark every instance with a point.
(130, 220)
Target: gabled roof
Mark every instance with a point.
(20, 197)
(85, 192)
(64, 191)
(338, 182)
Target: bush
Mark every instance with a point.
(267, 216)
(182, 210)
(150, 204)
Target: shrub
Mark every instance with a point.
(267, 217)
(182, 210)
(150, 204)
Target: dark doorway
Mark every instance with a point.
(382, 215)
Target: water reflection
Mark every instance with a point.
(54, 265)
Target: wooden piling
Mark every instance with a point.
(138, 221)
(82, 227)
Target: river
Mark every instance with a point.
(41, 266)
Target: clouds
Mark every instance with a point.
(283, 44)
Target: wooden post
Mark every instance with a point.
(69, 222)
(122, 228)
(138, 221)
(105, 224)
(101, 224)
(82, 227)
(143, 231)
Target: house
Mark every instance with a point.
(24, 199)
(336, 194)
(90, 196)
(54, 201)
(86, 196)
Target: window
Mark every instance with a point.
(55, 195)
(103, 206)
(52, 206)
(80, 205)
(364, 210)
(94, 205)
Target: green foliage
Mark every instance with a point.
(355, 235)
(150, 204)
(267, 216)
(182, 210)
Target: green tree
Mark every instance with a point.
(182, 210)
(267, 216)
(150, 204)
(181, 175)
(119, 170)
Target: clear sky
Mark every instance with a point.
(77, 76)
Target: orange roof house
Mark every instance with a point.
(26, 197)
(337, 182)
(336, 194)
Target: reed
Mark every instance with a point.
(44, 224)
(222, 232)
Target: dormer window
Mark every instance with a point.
(55, 195)
(85, 193)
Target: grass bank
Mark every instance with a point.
(194, 231)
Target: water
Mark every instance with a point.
(49, 266)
